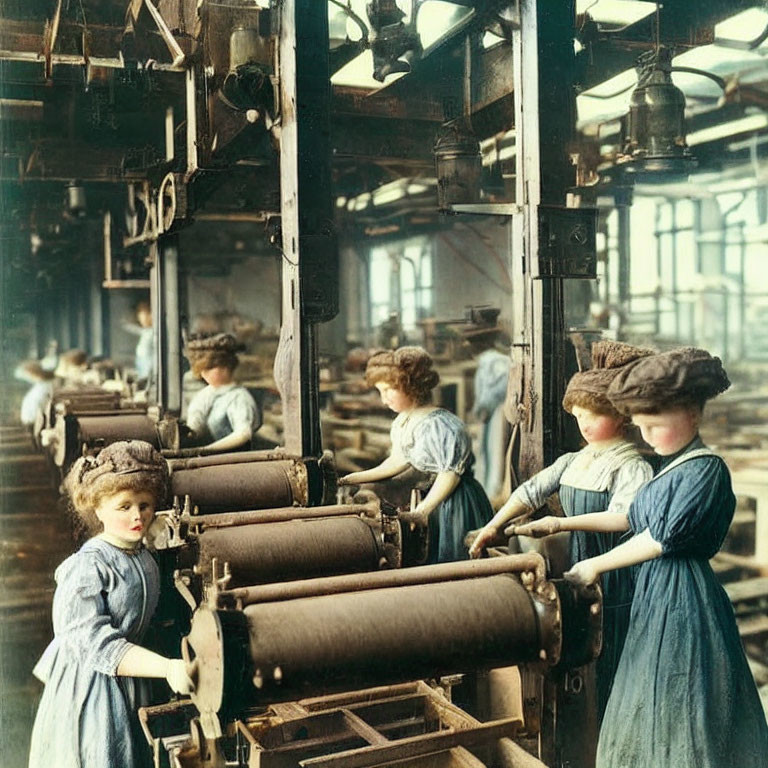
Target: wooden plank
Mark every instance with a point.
(362, 729)
(753, 625)
(416, 746)
(749, 589)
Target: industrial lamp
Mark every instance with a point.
(247, 84)
(394, 44)
(656, 131)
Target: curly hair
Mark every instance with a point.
(85, 500)
(408, 369)
(131, 465)
(592, 401)
(211, 358)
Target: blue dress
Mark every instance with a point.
(490, 391)
(596, 480)
(220, 411)
(683, 695)
(435, 440)
(87, 718)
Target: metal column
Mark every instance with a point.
(310, 259)
(543, 64)
(540, 45)
(164, 288)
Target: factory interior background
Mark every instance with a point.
(326, 179)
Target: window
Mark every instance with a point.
(400, 277)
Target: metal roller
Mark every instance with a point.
(250, 485)
(370, 508)
(109, 428)
(297, 549)
(214, 459)
(281, 651)
(72, 433)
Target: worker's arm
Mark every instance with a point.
(141, 662)
(513, 509)
(444, 485)
(391, 466)
(637, 550)
(597, 522)
(231, 441)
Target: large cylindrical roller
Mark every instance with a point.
(280, 651)
(251, 485)
(72, 433)
(109, 428)
(298, 549)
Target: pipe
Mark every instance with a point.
(241, 457)
(425, 574)
(281, 514)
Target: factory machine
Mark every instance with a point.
(329, 671)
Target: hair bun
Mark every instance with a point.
(219, 342)
(615, 354)
(120, 458)
(679, 377)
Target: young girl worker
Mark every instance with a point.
(683, 695)
(432, 440)
(596, 483)
(222, 416)
(94, 670)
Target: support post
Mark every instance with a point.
(544, 122)
(164, 289)
(310, 258)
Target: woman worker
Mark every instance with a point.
(223, 414)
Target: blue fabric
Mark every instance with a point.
(618, 585)
(683, 695)
(87, 716)
(145, 353)
(37, 396)
(220, 411)
(438, 443)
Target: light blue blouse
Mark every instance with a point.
(220, 411)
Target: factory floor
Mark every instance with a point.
(35, 536)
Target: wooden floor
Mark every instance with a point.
(35, 536)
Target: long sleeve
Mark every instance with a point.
(630, 477)
(82, 622)
(534, 492)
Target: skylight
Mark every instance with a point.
(616, 12)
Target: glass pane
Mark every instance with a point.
(686, 260)
(684, 214)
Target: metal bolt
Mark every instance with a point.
(258, 679)
(594, 609)
(277, 674)
(543, 655)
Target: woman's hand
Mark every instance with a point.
(537, 529)
(178, 678)
(477, 541)
(582, 574)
